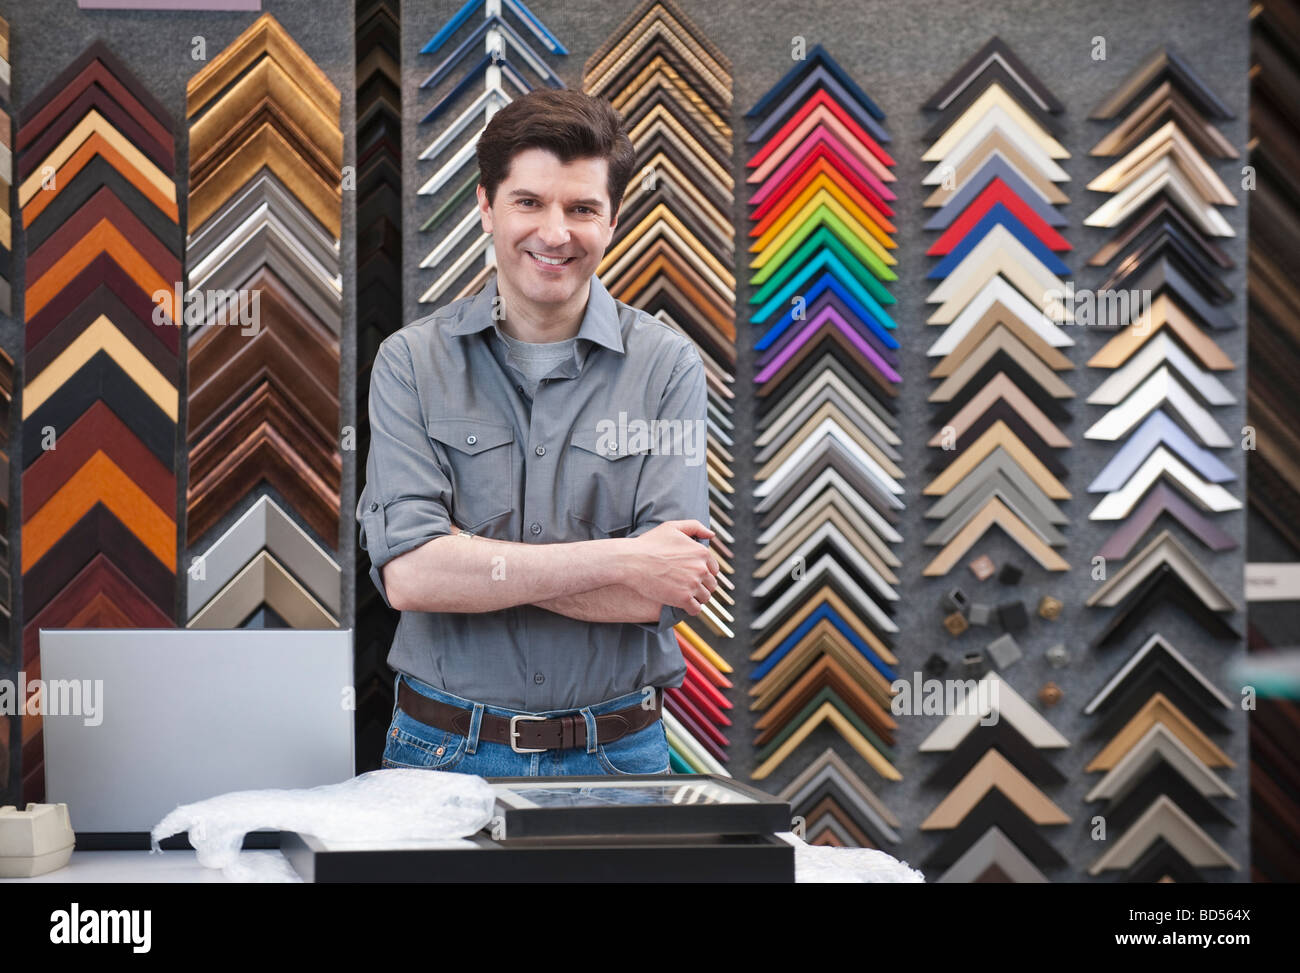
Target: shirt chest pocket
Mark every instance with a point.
(603, 475)
(481, 457)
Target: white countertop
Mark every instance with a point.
(812, 864)
(131, 866)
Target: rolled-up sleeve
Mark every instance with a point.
(406, 494)
(674, 484)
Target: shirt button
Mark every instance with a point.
(471, 439)
(540, 450)
(519, 389)
(538, 678)
(536, 528)
(374, 506)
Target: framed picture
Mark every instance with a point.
(636, 804)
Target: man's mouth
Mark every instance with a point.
(546, 261)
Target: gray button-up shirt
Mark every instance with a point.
(612, 445)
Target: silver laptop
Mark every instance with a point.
(139, 721)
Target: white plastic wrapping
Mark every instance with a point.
(383, 805)
(826, 863)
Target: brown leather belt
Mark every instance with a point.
(524, 733)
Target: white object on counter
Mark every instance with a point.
(382, 805)
(34, 841)
(826, 863)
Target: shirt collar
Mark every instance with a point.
(600, 322)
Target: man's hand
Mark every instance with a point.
(684, 574)
(668, 566)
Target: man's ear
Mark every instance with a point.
(484, 209)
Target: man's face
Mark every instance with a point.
(550, 223)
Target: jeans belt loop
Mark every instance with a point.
(590, 720)
(475, 722)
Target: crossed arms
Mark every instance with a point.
(626, 579)
(660, 572)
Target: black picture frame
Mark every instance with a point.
(690, 810)
(748, 858)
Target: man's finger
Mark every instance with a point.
(693, 528)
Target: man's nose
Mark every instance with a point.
(554, 230)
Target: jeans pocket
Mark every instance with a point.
(411, 744)
(642, 752)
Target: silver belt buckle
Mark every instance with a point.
(514, 733)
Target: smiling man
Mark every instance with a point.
(539, 564)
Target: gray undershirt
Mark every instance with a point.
(536, 359)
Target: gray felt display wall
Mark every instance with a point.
(156, 45)
(45, 37)
(901, 53)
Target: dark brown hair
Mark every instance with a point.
(567, 122)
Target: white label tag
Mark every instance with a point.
(1273, 582)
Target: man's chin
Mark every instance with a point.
(545, 291)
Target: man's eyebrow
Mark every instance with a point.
(588, 201)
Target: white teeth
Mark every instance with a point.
(549, 260)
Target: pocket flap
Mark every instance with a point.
(607, 444)
(470, 435)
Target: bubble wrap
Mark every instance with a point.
(826, 863)
(383, 805)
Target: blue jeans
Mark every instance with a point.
(411, 743)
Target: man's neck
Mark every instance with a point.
(526, 321)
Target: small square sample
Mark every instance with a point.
(980, 613)
(983, 567)
(1013, 616)
(956, 600)
(956, 623)
(1058, 656)
(973, 663)
(1050, 608)
(1010, 574)
(1004, 650)
(936, 665)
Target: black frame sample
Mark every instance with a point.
(699, 858)
(765, 815)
